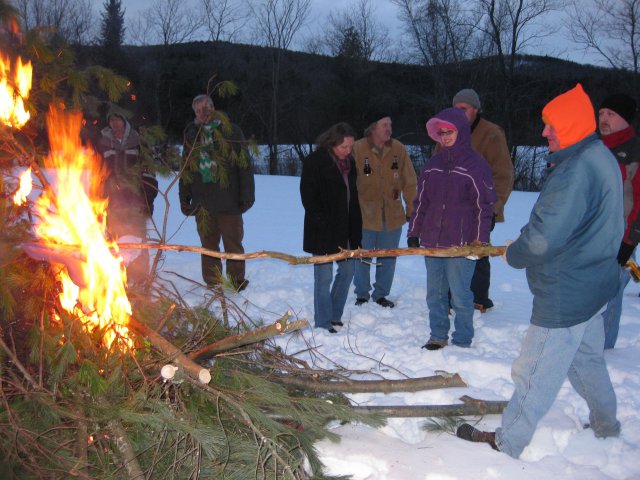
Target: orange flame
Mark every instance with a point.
(15, 85)
(73, 217)
(26, 184)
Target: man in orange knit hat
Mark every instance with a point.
(569, 250)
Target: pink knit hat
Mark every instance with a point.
(434, 125)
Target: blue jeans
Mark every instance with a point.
(385, 266)
(444, 275)
(547, 357)
(611, 316)
(328, 299)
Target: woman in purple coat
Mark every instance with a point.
(454, 207)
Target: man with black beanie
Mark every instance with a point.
(615, 116)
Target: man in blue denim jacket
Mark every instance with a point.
(569, 249)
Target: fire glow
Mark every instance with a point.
(15, 84)
(26, 184)
(71, 224)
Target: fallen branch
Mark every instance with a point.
(191, 368)
(469, 407)
(279, 327)
(464, 251)
(126, 451)
(370, 386)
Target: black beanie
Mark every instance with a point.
(374, 115)
(622, 104)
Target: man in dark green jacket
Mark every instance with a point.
(217, 186)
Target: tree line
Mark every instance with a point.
(348, 67)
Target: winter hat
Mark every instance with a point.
(116, 111)
(434, 125)
(376, 115)
(467, 95)
(622, 104)
(571, 114)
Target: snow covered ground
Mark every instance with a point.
(386, 343)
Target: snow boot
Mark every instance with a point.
(472, 434)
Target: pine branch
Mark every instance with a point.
(19, 365)
(279, 327)
(369, 386)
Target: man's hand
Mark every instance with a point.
(504, 255)
(244, 206)
(189, 209)
(624, 253)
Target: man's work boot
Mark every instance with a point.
(472, 434)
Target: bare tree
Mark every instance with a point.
(72, 20)
(172, 21)
(441, 31)
(139, 31)
(510, 26)
(278, 22)
(612, 30)
(223, 19)
(356, 21)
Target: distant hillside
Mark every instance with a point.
(316, 91)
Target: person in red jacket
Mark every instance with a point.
(614, 122)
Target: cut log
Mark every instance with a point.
(371, 386)
(279, 327)
(469, 407)
(165, 346)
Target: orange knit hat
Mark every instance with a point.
(572, 115)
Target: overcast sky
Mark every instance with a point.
(387, 14)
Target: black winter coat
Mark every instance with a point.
(234, 197)
(329, 223)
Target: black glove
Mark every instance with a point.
(624, 254)
(245, 205)
(189, 209)
(413, 242)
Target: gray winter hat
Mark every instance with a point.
(467, 95)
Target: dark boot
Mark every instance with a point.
(472, 434)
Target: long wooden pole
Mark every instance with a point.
(464, 251)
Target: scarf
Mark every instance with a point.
(207, 166)
(618, 138)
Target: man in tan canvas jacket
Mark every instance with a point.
(386, 189)
(489, 140)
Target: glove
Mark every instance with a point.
(245, 205)
(189, 209)
(624, 254)
(413, 242)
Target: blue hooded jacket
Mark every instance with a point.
(570, 244)
(454, 205)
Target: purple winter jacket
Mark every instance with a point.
(454, 205)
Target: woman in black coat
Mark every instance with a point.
(332, 219)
